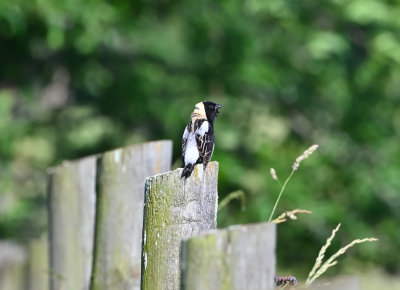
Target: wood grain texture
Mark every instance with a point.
(175, 209)
(72, 203)
(120, 188)
(236, 258)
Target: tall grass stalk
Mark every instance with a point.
(321, 253)
(318, 270)
(279, 196)
(295, 166)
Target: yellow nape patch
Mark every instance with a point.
(199, 111)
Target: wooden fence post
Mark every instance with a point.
(239, 257)
(175, 209)
(12, 266)
(38, 264)
(120, 185)
(72, 203)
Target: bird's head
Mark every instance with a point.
(209, 109)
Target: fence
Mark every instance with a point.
(123, 220)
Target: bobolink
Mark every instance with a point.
(198, 138)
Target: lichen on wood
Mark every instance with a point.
(175, 209)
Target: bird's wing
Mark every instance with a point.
(184, 141)
(205, 140)
(208, 151)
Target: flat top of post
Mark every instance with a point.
(198, 171)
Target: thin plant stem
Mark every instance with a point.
(280, 194)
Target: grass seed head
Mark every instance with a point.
(318, 270)
(303, 156)
(273, 174)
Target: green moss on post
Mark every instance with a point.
(239, 257)
(175, 209)
(119, 222)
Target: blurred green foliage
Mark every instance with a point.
(78, 78)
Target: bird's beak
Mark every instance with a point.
(217, 106)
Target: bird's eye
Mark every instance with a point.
(196, 107)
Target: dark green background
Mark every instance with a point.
(82, 77)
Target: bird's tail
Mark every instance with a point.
(187, 170)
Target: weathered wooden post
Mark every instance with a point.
(38, 264)
(12, 266)
(72, 203)
(239, 257)
(120, 183)
(175, 209)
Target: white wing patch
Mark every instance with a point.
(203, 129)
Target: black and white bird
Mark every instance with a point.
(198, 138)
